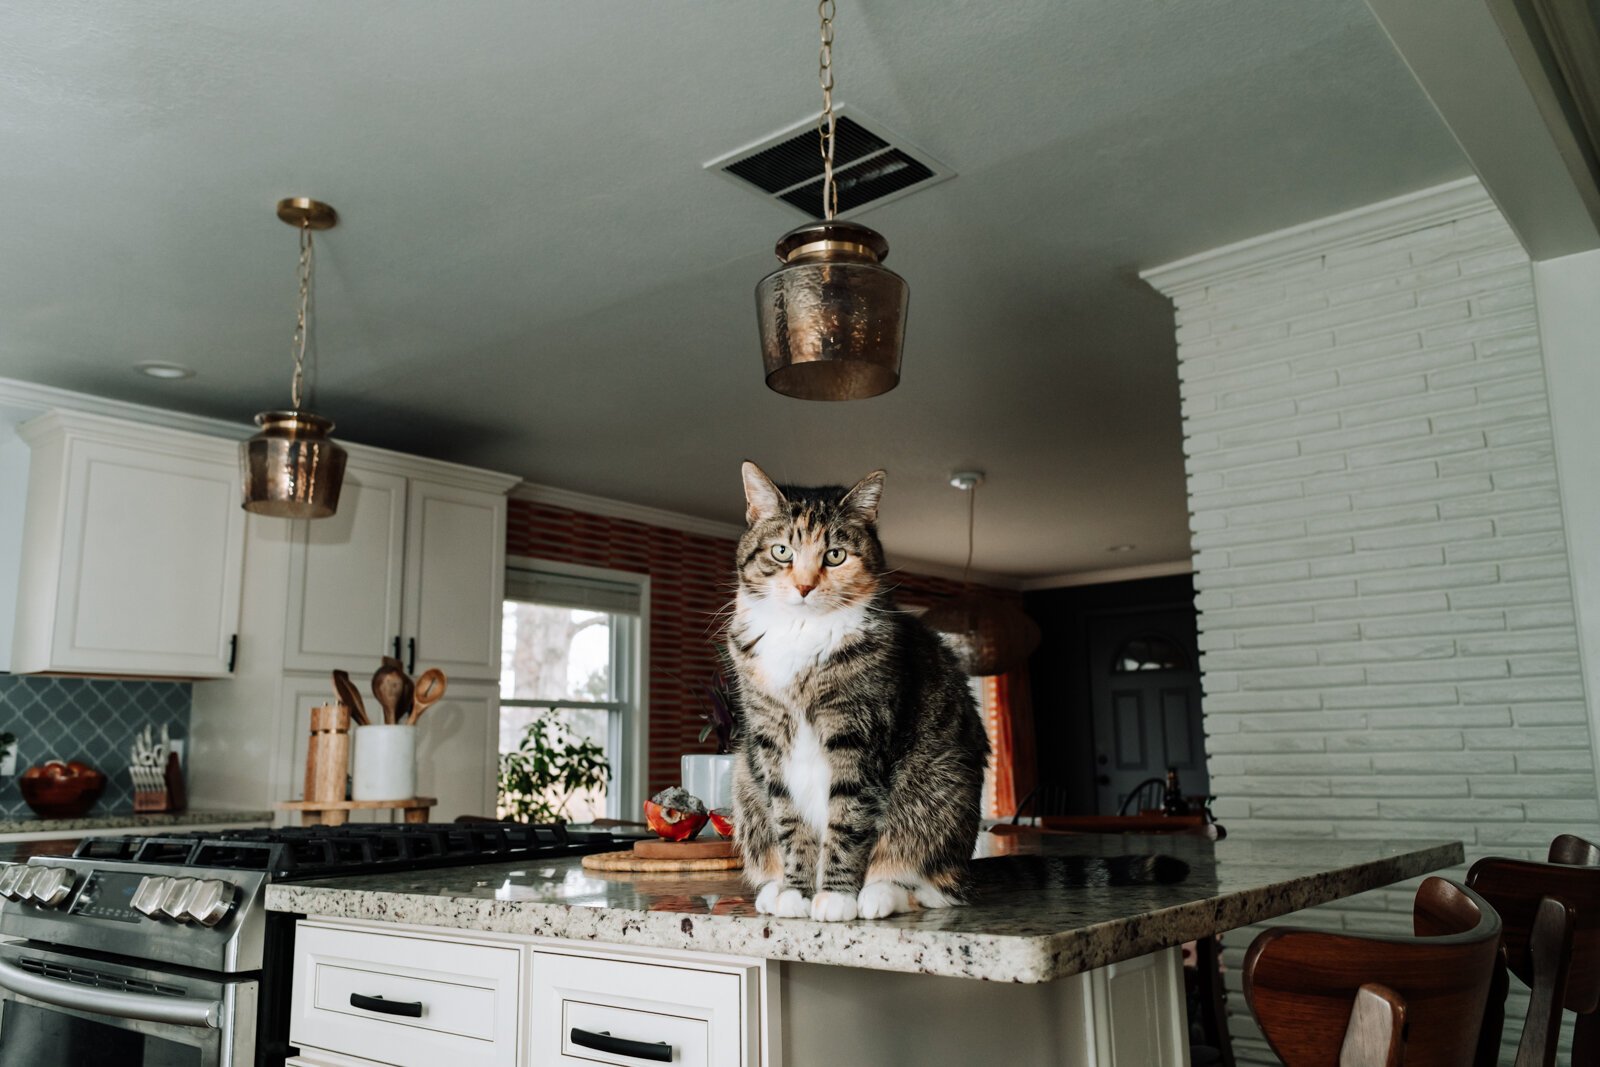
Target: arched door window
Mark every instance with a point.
(1149, 652)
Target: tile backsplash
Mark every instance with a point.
(92, 720)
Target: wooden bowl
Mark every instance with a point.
(58, 790)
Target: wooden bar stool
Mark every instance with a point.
(1356, 1000)
(1551, 915)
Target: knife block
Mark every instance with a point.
(328, 754)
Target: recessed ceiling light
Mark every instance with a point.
(1122, 548)
(169, 372)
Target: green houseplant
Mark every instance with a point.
(547, 769)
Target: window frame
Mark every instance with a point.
(630, 659)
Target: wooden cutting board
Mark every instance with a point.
(712, 849)
(632, 861)
(656, 855)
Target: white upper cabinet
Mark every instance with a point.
(455, 565)
(132, 550)
(345, 576)
(408, 567)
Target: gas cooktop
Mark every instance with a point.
(321, 851)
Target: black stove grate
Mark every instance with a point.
(295, 852)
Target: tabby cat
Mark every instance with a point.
(861, 753)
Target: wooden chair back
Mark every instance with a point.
(1551, 915)
(1574, 850)
(1315, 994)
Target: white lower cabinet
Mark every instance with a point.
(628, 1010)
(382, 995)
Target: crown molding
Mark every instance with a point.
(28, 399)
(573, 500)
(1110, 574)
(23, 401)
(1373, 222)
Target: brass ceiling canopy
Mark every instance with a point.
(989, 635)
(832, 318)
(292, 469)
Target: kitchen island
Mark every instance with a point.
(1073, 976)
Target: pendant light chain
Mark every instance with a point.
(825, 125)
(297, 345)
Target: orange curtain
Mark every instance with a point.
(1008, 711)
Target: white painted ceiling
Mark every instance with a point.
(534, 273)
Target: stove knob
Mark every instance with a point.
(10, 879)
(175, 901)
(147, 898)
(25, 884)
(51, 886)
(210, 902)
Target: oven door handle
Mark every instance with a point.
(179, 1011)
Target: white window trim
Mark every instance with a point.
(627, 787)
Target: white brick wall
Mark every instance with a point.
(1387, 625)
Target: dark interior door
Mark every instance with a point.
(1145, 687)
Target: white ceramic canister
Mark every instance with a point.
(385, 763)
(710, 778)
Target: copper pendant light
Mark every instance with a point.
(292, 469)
(989, 635)
(832, 318)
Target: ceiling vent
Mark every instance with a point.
(870, 166)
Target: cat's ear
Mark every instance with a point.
(864, 496)
(762, 499)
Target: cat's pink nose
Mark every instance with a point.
(803, 589)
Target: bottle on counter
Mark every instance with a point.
(1173, 803)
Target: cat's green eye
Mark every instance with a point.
(782, 553)
(834, 556)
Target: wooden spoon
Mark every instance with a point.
(430, 688)
(388, 682)
(350, 697)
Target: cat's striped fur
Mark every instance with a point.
(861, 753)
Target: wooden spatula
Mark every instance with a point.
(350, 697)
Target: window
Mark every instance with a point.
(1149, 652)
(571, 648)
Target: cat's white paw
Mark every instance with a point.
(792, 904)
(767, 898)
(878, 900)
(929, 897)
(831, 907)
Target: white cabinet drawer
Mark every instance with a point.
(445, 999)
(708, 1017)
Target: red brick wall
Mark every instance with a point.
(691, 583)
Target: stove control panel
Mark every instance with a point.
(45, 886)
(206, 901)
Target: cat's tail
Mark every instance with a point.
(1076, 872)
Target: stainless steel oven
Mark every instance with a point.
(159, 951)
(69, 1010)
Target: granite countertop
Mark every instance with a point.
(129, 820)
(1009, 934)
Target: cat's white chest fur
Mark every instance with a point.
(794, 638)
(808, 777)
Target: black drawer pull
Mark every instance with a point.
(411, 1010)
(618, 1046)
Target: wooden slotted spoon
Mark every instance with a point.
(430, 688)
